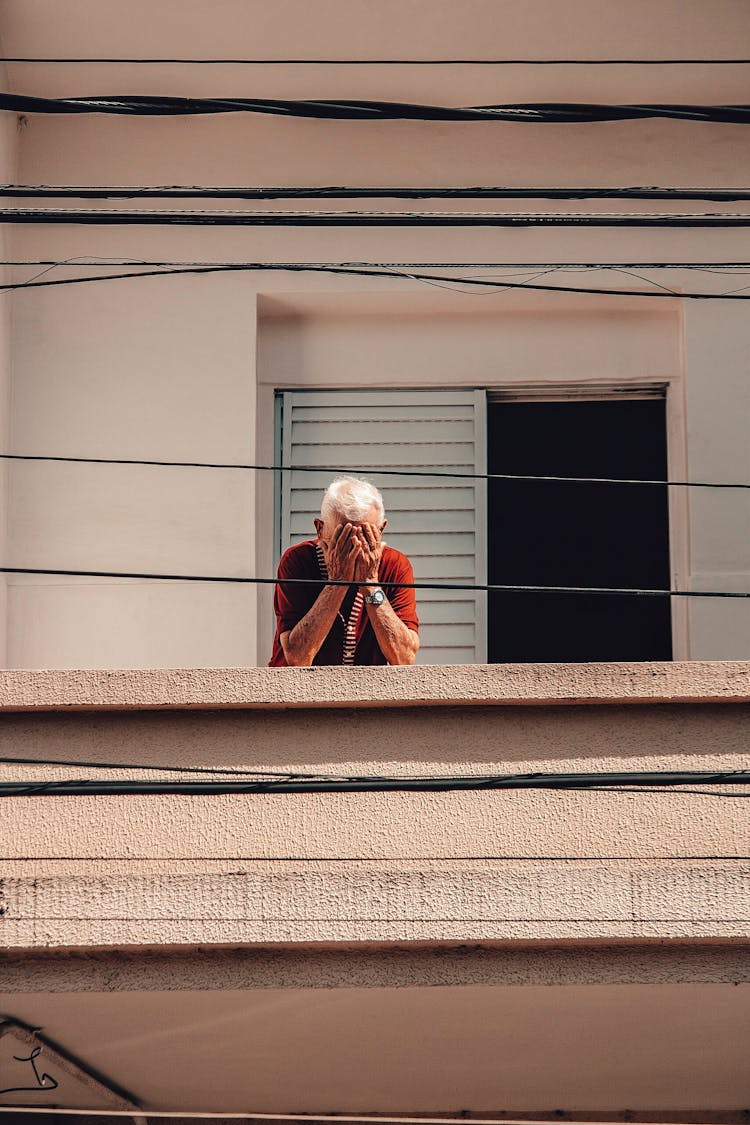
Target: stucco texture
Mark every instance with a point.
(375, 867)
(687, 681)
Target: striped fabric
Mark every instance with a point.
(350, 625)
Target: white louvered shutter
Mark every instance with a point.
(438, 522)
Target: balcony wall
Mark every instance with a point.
(463, 867)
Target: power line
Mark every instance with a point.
(370, 470)
(383, 272)
(625, 591)
(99, 261)
(187, 191)
(537, 780)
(624, 782)
(25, 216)
(146, 105)
(446, 61)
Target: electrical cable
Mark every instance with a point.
(96, 788)
(617, 781)
(149, 105)
(378, 62)
(97, 261)
(537, 780)
(624, 591)
(381, 271)
(24, 216)
(185, 191)
(372, 471)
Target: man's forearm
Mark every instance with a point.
(302, 643)
(398, 643)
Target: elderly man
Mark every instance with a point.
(358, 624)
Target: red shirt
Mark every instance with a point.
(292, 601)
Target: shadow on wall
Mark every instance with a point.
(443, 736)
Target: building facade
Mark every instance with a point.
(520, 954)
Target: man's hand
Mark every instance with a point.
(397, 642)
(369, 542)
(302, 643)
(341, 552)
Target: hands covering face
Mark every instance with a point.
(370, 542)
(353, 553)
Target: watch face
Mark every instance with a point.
(377, 597)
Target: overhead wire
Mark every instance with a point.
(647, 781)
(75, 788)
(445, 61)
(69, 216)
(95, 261)
(473, 587)
(382, 271)
(187, 191)
(608, 782)
(372, 470)
(149, 105)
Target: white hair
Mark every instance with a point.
(352, 499)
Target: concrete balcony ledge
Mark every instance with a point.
(419, 686)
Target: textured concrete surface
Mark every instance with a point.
(372, 826)
(389, 901)
(378, 826)
(360, 966)
(704, 681)
(375, 867)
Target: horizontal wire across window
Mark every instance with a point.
(372, 470)
(619, 591)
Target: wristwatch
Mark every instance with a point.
(377, 597)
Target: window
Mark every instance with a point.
(519, 533)
(549, 533)
(439, 522)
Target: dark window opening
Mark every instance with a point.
(570, 534)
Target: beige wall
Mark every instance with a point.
(527, 28)
(184, 368)
(135, 377)
(460, 866)
(602, 933)
(652, 1033)
(8, 161)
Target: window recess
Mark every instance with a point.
(502, 532)
(550, 533)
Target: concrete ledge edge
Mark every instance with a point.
(417, 686)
